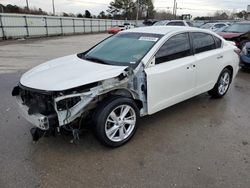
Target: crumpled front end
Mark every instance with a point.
(53, 110)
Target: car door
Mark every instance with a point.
(172, 79)
(209, 56)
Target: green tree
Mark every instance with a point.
(123, 8)
(87, 14)
(242, 14)
(79, 15)
(146, 9)
(102, 15)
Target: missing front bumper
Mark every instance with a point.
(38, 120)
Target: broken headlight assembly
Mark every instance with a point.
(67, 103)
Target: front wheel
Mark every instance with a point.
(116, 120)
(222, 85)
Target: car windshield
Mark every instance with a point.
(238, 28)
(124, 49)
(207, 25)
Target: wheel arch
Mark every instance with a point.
(124, 92)
(230, 68)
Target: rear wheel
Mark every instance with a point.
(222, 85)
(116, 121)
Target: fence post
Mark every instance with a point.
(46, 26)
(74, 27)
(26, 25)
(91, 25)
(83, 21)
(106, 25)
(1, 22)
(99, 26)
(61, 26)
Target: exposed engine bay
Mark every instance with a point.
(51, 111)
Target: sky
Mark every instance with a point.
(193, 7)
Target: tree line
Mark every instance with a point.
(127, 9)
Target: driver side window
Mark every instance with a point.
(176, 47)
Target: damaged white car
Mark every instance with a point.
(129, 75)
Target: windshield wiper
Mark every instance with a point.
(95, 60)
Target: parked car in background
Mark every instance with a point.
(245, 56)
(135, 73)
(174, 23)
(198, 23)
(213, 26)
(116, 29)
(221, 29)
(119, 28)
(238, 32)
(149, 22)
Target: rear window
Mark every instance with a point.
(190, 24)
(176, 23)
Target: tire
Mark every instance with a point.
(222, 85)
(112, 127)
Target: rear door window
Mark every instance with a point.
(218, 42)
(203, 42)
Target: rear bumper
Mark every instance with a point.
(38, 120)
(245, 61)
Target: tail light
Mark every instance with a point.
(237, 51)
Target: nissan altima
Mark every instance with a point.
(134, 73)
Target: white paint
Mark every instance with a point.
(68, 72)
(167, 83)
(177, 80)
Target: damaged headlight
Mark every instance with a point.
(67, 103)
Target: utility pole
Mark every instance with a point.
(174, 7)
(2, 9)
(53, 5)
(137, 12)
(175, 10)
(27, 4)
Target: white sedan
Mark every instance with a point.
(214, 26)
(128, 75)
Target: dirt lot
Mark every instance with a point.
(201, 142)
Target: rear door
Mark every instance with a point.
(209, 57)
(172, 79)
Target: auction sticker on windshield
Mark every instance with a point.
(152, 39)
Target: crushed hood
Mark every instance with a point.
(68, 72)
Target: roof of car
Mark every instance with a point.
(163, 30)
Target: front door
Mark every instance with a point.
(173, 78)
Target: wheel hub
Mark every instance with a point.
(120, 123)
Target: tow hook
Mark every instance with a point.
(36, 133)
(76, 138)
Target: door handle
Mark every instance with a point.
(219, 57)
